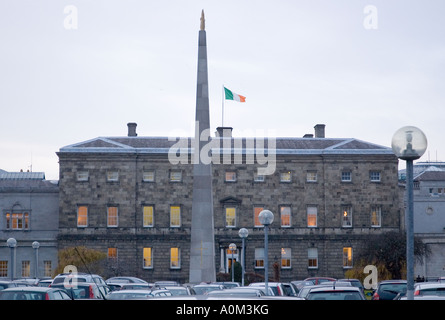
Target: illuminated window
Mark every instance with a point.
(3, 268)
(175, 260)
(230, 217)
(17, 221)
(285, 258)
(256, 213)
(112, 217)
(148, 216)
(311, 176)
(175, 176)
(312, 256)
(285, 215)
(82, 176)
(148, 176)
(112, 176)
(347, 257)
(148, 258)
(311, 216)
(346, 217)
(376, 216)
(175, 216)
(26, 268)
(112, 254)
(82, 216)
(259, 258)
(286, 176)
(230, 176)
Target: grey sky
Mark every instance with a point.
(299, 63)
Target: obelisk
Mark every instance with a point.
(202, 244)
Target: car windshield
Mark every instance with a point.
(334, 295)
(393, 287)
(433, 292)
(204, 290)
(19, 295)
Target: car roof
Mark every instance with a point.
(31, 289)
(430, 285)
(334, 288)
(392, 281)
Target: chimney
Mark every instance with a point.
(224, 132)
(132, 129)
(319, 130)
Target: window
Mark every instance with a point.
(258, 177)
(312, 257)
(374, 176)
(148, 176)
(256, 213)
(285, 215)
(175, 216)
(82, 176)
(3, 268)
(175, 260)
(285, 258)
(112, 176)
(17, 221)
(47, 268)
(347, 257)
(376, 216)
(259, 258)
(286, 176)
(26, 268)
(230, 176)
(230, 217)
(148, 258)
(175, 176)
(112, 217)
(346, 176)
(82, 216)
(346, 216)
(311, 176)
(148, 216)
(112, 254)
(311, 216)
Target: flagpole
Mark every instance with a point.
(222, 116)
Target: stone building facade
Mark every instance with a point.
(131, 197)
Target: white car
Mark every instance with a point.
(429, 289)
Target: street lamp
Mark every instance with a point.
(232, 247)
(409, 143)
(36, 246)
(266, 218)
(243, 233)
(12, 243)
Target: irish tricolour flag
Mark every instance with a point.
(233, 96)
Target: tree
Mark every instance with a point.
(82, 258)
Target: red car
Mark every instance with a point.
(318, 280)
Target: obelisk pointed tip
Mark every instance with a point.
(203, 22)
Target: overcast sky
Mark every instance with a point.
(74, 70)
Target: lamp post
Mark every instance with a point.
(12, 243)
(409, 143)
(232, 248)
(36, 246)
(266, 218)
(243, 233)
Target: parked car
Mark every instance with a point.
(318, 280)
(335, 292)
(124, 279)
(228, 284)
(277, 287)
(289, 289)
(136, 286)
(4, 284)
(137, 294)
(242, 292)
(80, 277)
(354, 282)
(205, 288)
(84, 290)
(429, 289)
(180, 290)
(34, 293)
(389, 289)
(44, 282)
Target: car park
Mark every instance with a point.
(34, 293)
(205, 288)
(242, 292)
(137, 294)
(389, 289)
(83, 290)
(277, 287)
(335, 292)
(180, 290)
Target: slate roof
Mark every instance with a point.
(282, 145)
